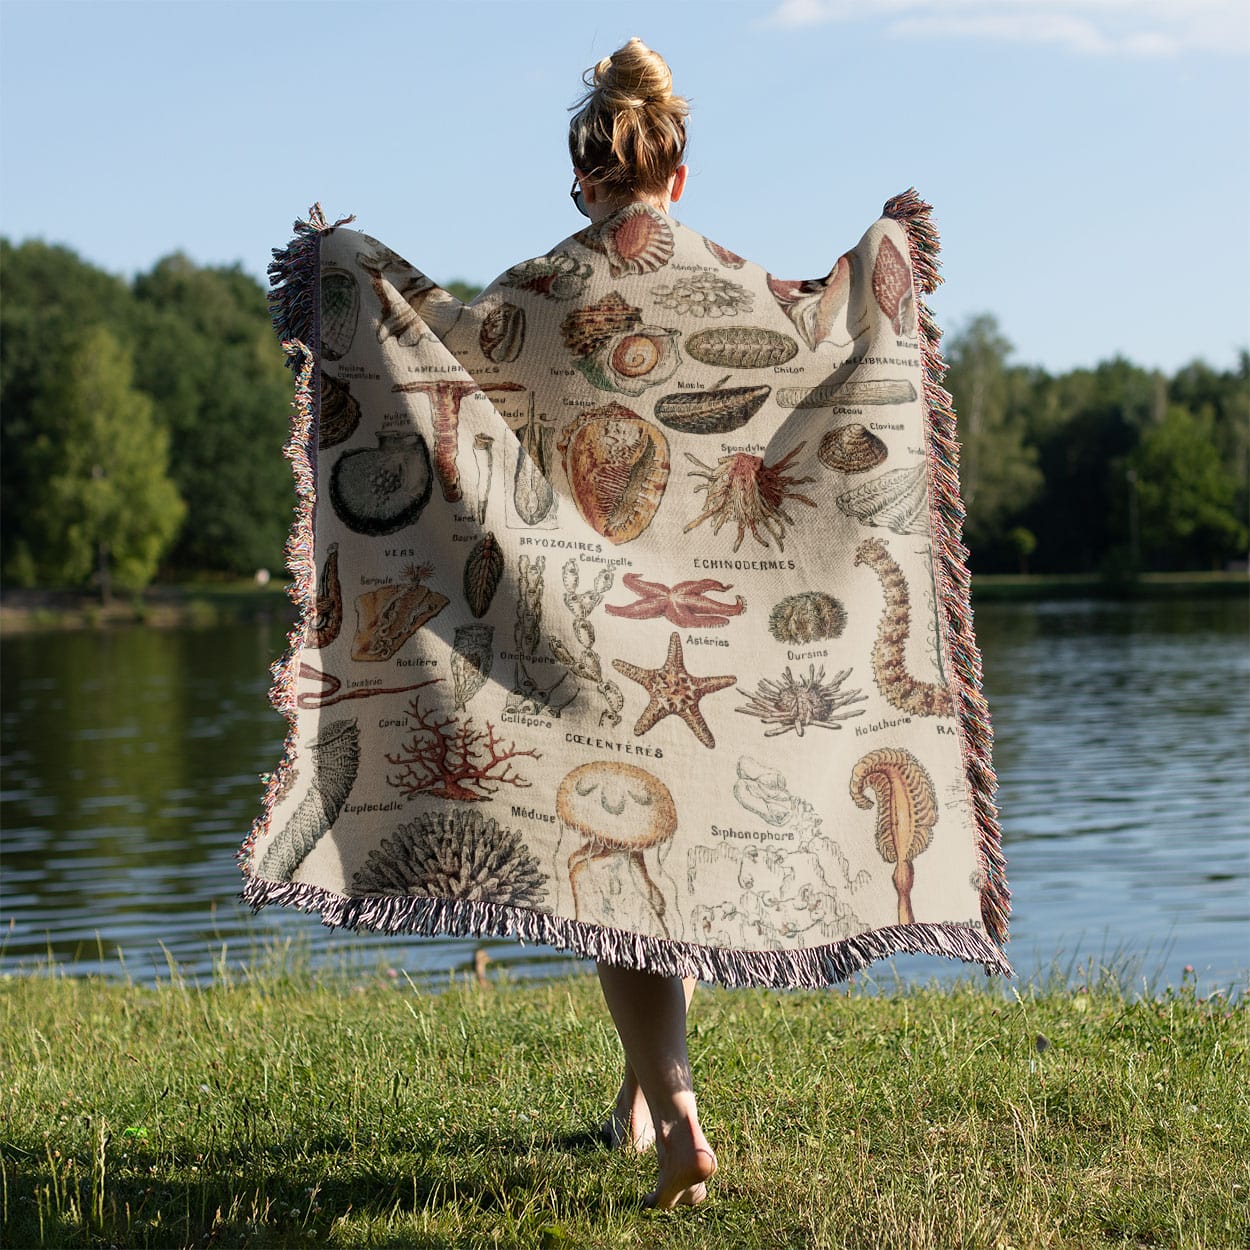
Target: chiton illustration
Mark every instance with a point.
(851, 448)
(378, 490)
(741, 347)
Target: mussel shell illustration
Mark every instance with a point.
(339, 414)
(503, 333)
(617, 466)
(638, 239)
(483, 571)
(808, 616)
(473, 653)
(731, 260)
(898, 501)
(741, 347)
(387, 617)
(586, 329)
(852, 449)
(711, 412)
(631, 362)
(868, 391)
(340, 310)
(378, 490)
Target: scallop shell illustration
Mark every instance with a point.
(704, 294)
(851, 448)
(339, 414)
(503, 333)
(617, 466)
(586, 329)
(378, 490)
(872, 391)
(898, 501)
(558, 276)
(808, 616)
(472, 655)
(891, 284)
(741, 347)
(340, 310)
(815, 306)
(388, 616)
(630, 363)
(731, 260)
(711, 412)
(638, 239)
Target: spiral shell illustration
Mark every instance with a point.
(898, 501)
(638, 239)
(891, 285)
(632, 362)
(586, 329)
(472, 654)
(806, 617)
(617, 466)
(852, 449)
(388, 616)
(483, 571)
(378, 490)
(339, 414)
(340, 310)
(711, 412)
(870, 391)
(731, 260)
(558, 276)
(503, 333)
(741, 347)
(704, 294)
(815, 306)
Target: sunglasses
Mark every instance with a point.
(576, 196)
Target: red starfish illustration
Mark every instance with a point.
(685, 605)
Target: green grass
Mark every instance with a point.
(299, 1109)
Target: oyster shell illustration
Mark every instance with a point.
(808, 616)
(586, 329)
(340, 310)
(815, 306)
(845, 394)
(851, 448)
(503, 333)
(891, 285)
(617, 466)
(898, 501)
(631, 362)
(378, 490)
(339, 413)
(704, 294)
(741, 347)
(711, 412)
(472, 654)
(731, 260)
(558, 276)
(388, 616)
(638, 239)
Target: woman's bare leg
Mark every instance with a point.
(650, 1015)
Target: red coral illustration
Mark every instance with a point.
(685, 605)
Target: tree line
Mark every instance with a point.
(143, 423)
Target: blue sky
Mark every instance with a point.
(1089, 160)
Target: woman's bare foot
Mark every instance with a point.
(686, 1165)
(629, 1126)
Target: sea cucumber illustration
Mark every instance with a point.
(378, 490)
(617, 466)
(713, 411)
(685, 605)
(906, 813)
(731, 260)
(620, 810)
(450, 759)
(401, 292)
(388, 616)
(851, 449)
(857, 392)
(327, 617)
(897, 500)
(889, 664)
(615, 351)
(816, 305)
(891, 285)
(527, 697)
(483, 571)
(741, 347)
(340, 310)
(532, 493)
(472, 654)
(674, 691)
(503, 333)
(484, 460)
(806, 617)
(796, 704)
(556, 277)
(335, 754)
(339, 414)
(638, 239)
(586, 663)
(704, 294)
(456, 854)
(752, 494)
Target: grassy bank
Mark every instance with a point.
(293, 1111)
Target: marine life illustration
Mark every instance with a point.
(752, 494)
(472, 654)
(815, 306)
(335, 754)
(897, 500)
(483, 571)
(851, 449)
(378, 490)
(401, 292)
(527, 697)
(731, 260)
(685, 605)
(741, 347)
(638, 239)
(906, 813)
(340, 311)
(847, 394)
(533, 496)
(445, 400)
(331, 689)
(713, 411)
(806, 617)
(704, 294)
(617, 466)
(891, 285)
(327, 618)
(484, 461)
(503, 333)
(615, 351)
(558, 276)
(764, 792)
(797, 704)
(620, 810)
(339, 414)
(586, 663)
(456, 854)
(388, 616)
(674, 691)
(889, 661)
(449, 759)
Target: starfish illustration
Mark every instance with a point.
(674, 692)
(686, 605)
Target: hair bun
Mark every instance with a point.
(634, 76)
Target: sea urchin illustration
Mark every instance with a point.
(789, 704)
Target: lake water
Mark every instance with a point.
(130, 775)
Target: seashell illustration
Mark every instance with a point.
(898, 501)
(815, 306)
(558, 276)
(711, 412)
(851, 448)
(871, 391)
(807, 617)
(891, 285)
(340, 310)
(472, 655)
(503, 333)
(378, 490)
(532, 492)
(632, 362)
(741, 347)
(638, 239)
(731, 260)
(339, 414)
(617, 466)
(388, 616)
(586, 329)
(483, 571)
(704, 294)
(484, 459)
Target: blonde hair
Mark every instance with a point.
(629, 132)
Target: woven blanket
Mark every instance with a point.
(634, 615)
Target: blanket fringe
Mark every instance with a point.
(953, 577)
